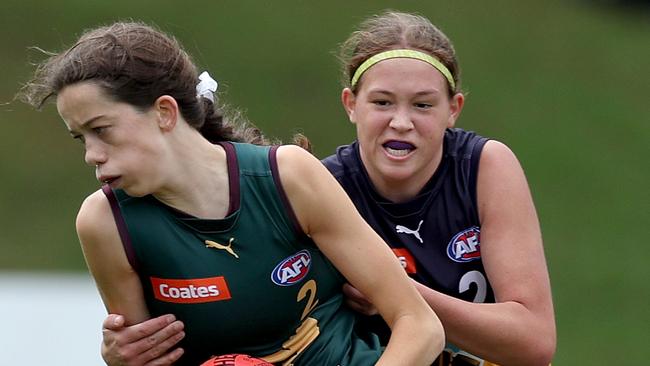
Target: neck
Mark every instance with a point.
(403, 188)
(197, 176)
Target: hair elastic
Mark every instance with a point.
(207, 86)
(403, 53)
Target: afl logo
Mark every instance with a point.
(465, 246)
(292, 270)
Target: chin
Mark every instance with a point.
(134, 192)
(397, 173)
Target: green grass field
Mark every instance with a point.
(565, 84)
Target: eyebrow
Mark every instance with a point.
(84, 124)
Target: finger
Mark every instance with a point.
(155, 345)
(354, 295)
(113, 322)
(362, 308)
(144, 330)
(168, 359)
(357, 301)
(154, 348)
(111, 325)
(351, 292)
(354, 305)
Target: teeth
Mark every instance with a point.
(398, 152)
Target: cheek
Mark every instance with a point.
(371, 124)
(433, 127)
(367, 134)
(135, 157)
(144, 158)
(432, 132)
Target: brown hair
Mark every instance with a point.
(394, 30)
(135, 63)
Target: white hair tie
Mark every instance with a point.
(207, 86)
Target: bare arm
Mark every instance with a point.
(121, 292)
(117, 282)
(519, 329)
(329, 217)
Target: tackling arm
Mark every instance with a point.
(326, 214)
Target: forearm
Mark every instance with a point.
(505, 333)
(413, 341)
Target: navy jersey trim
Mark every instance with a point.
(475, 160)
(121, 227)
(233, 176)
(273, 164)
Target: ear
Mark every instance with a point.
(349, 102)
(455, 107)
(167, 111)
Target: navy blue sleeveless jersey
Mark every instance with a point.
(436, 235)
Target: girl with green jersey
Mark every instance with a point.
(247, 245)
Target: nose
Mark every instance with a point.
(401, 121)
(94, 155)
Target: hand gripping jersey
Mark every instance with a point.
(436, 235)
(250, 283)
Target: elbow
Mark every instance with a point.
(535, 348)
(429, 335)
(546, 345)
(542, 351)
(545, 351)
(538, 342)
(437, 333)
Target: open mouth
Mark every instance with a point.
(398, 148)
(108, 180)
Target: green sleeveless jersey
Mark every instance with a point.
(250, 283)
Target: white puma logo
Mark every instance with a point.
(227, 248)
(405, 230)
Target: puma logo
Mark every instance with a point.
(405, 230)
(227, 248)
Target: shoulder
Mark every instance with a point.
(94, 213)
(294, 161)
(302, 172)
(498, 165)
(500, 177)
(307, 184)
(496, 153)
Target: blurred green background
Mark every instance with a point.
(564, 83)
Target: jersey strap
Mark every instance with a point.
(121, 227)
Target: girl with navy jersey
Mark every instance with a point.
(246, 244)
(454, 207)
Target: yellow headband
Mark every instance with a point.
(403, 53)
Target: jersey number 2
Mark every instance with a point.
(477, 278)
(308, 288)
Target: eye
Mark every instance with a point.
(100, 129)
(381, 102)
(423, 105)
(79, 138)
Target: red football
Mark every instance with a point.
(235, 360)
